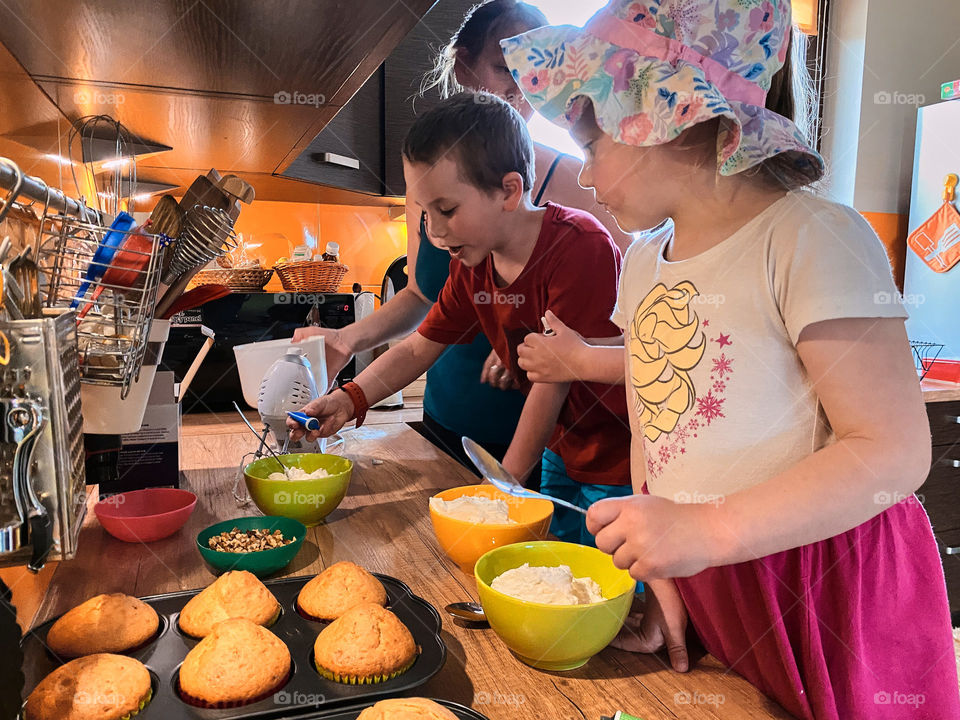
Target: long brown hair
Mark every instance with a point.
(493, 19)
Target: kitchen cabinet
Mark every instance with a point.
(371, 127)
(940, 493)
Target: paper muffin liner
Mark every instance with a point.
(225, 705)
(143, 703)
(362, 679)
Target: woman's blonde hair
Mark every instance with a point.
(489, 20)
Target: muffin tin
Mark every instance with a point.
(305, 692)
(464, 713)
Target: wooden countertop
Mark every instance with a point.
(939, 390)
(383, 525)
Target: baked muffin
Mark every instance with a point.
(337, 589)
(93, 687)
(367, 644)
(239, 662)
(406, 709)
(237, 593)
(111, 623)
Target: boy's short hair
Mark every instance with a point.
(481, 133)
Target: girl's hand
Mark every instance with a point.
(663, 623)
(551, 358)
(333, 411)
(653, 537)
(336, 350)
(496, 374)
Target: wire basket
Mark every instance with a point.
(112, 334)
(238, 280)
(311, 276)
(924, 355)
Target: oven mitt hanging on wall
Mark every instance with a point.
(937, 241)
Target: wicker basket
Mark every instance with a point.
(238, 280)
(311, 276)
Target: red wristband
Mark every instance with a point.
(360, 404)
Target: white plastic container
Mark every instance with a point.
(104, 413)
(254, 359)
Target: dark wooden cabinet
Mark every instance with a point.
(372, 125)
(940, 493)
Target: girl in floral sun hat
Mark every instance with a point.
(778, 428)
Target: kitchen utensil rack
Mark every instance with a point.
(924, 355)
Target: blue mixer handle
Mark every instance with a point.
(310, 423)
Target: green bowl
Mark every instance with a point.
(262, 562)
(555, 637)
(308, 501)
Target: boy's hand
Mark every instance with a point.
(333, 411)
(653, 537)
(552, 358)
(662, 623)
(496, 374)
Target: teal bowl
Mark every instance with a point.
(261, 562)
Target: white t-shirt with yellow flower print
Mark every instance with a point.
(719, 400)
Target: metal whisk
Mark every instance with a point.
(207, 234)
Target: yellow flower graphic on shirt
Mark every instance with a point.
(664, 347)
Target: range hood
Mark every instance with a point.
(240, 86)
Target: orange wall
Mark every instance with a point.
(369, 240)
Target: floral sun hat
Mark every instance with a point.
(653, 69)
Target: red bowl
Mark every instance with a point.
(145, 515)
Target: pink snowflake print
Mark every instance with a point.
(761, 18)
(680, 433)
(719, 386)
(634, 129)
(706, 323)
(710, 407)
(622, 65)
(722, 365)
(694, 424)
(534, 80)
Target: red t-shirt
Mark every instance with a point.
(573, 271)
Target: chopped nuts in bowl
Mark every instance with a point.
(242, 541)
(261, 545)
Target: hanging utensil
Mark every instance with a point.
(260, 438)
(501, 478)
(27, 275)
(195, 365)
(195, 298)
(102, 258)
(14, 191)
(127, 267)
(24, 421)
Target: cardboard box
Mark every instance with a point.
(150, 457)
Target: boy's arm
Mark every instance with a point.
(392, 371)
(537, 423)
(566, 357)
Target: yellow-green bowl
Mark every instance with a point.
(555, 637)
(308, 501)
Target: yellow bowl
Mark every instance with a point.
(555, 637)
(308, 501)
(464, 542)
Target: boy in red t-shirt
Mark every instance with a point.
(468, 165)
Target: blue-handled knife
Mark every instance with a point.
(310, 423)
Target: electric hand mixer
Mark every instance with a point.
(287, 386)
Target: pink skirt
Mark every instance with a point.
(849, 628)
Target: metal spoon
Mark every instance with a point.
(286, 470)
(467, 611)
(501, 478)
